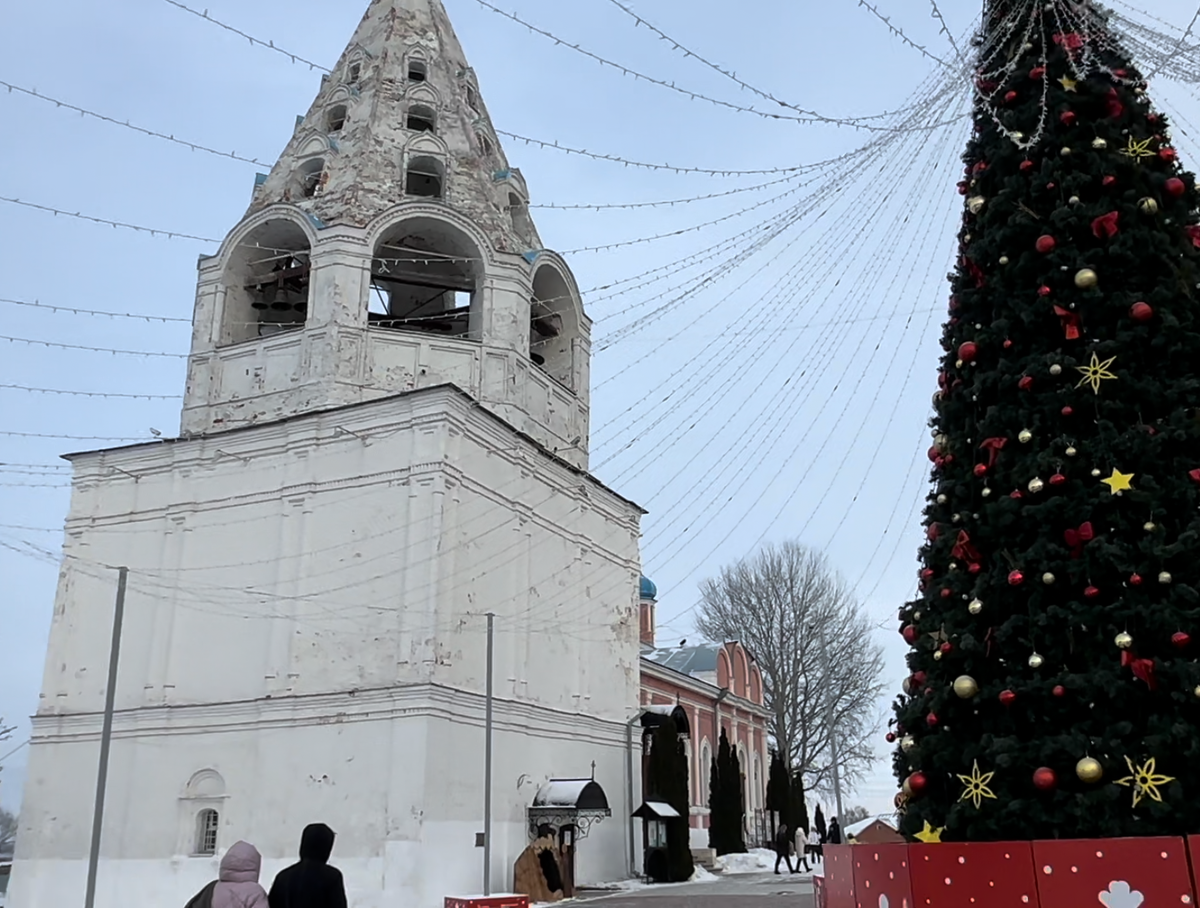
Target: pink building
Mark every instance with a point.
(715, 686)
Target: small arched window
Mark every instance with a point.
(335, 119)
(312, 178)
(472, 97)
(425, 178)
(486, 148)
(354, 73)
(417, 71)
(208, 821)
(421, 118)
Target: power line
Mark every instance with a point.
(125, 123)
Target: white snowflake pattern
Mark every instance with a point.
(883, 901)
(1119, 895)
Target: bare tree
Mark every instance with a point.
(8, 832)
(813, 642)
(853, 815)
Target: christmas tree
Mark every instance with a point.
(1054, 689)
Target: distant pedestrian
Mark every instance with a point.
(237, 884)
(814, 845)
(783, 847)
(800, 840)
(835, 833)
(311, 883)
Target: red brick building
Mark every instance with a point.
(717, 686)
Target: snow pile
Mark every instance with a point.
(702, 876)
(755, 861)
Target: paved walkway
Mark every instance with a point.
(750, 890)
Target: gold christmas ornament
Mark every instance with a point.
(1048, 578)
(1096, 472)
(1036, 661)
(937, 655)
(1196, 691)
(1036, 485)
(1149, 526)
(1025, 437)
(1119, 482)
(906, 788)
(1066, 152)
(1148, 205)
(1086, 278)
(1089, 770)
(986, 493)
(1073, 200)
(1056, 369)
(965, 687)
(1099, 144)
(1123, 640)
(976, 203)
(907, 743)
(975, 607)
(1164, 578)
(1071, 452)
(1004, 260)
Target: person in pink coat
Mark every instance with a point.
(237, 886)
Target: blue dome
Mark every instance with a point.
(649, 590)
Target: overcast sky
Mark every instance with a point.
(786, 397)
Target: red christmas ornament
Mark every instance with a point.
(946, 647)
(1037, 72)
(1181, 640)
(909, 634)
(1026, 383)
(1046, 244)
(1007, 344)
(1175, 187)
(968, 351)
(920, 678)
(981, 469)
(1057, 479)
(974, 568)
(1141, 312)
(949, 458)
(1008, 697)
(1045, 779)
(1091, 592)
(947, 593)
(1016, 578)
(927, 574)
(1068, 411)
(931, 720)
(1009, 97)
(1016, 494)
(1109, 180)
(934, 456)
(1050, 185)
(1059, 690)
(1068, 118)
(1026, 166)
(1135, 579)
(1195, 474)
(917, 782)
(890, 738)
(1167, 154)
(1044, 290)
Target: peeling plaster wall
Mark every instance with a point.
(305, 615)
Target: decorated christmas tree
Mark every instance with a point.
(1054, 688)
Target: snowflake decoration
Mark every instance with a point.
(1144, 781)
(1138, 150)
(1095, 372)
(1119, 895)
(977, 786)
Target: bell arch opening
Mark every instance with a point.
(425, 177)
(554, 326)
(425, 277)
(266, 283)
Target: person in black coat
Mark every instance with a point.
(311, 883)
(834, 837)
(783, 848)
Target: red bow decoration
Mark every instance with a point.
(964, 550)
(1143, 669)
(974, 270)
(1115, 107)
(1194, 234)
(932, 532)
(1105, 227)
(1071, 41)
(1070, 322)
(1076, 539)
(993, 446)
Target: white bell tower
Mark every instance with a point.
(384, 440)
(391, 248)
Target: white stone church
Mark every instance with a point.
(384, 437)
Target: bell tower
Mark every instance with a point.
(389, 249)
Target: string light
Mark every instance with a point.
(86, 217)
(77, 311)
(93, 393)
(269, 45)
(11, 434)
(900, 34)
(44, 343)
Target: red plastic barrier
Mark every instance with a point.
(1114, 873)
(881, 876)
(839, 876)
(976, 875)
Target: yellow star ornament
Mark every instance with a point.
(977, 786)
(1095, 372)
(1144, 781)
(1119, 482)
(1138, 150)
(1069, 84)
(929, 835)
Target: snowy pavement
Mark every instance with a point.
(759, 889)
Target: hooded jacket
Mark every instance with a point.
(311, 883)
(238, 884)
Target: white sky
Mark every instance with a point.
(787, 399)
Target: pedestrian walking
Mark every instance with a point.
(783, 847)
(800, 839)
(310, 883)
(237, 883)
(814, 845)
(835, 833)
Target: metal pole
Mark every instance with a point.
(106, 737)
(487, 766)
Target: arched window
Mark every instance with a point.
(554, 329)
(266, 283)
(335, 119)
(486, 148)
(354, 73)
(425, 178)
(208, 821)
(421, 119)
(311, 178)
(472, 97)
(417, 70)
(518, 213)
(705, 770)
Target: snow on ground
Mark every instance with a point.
(755, 861)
